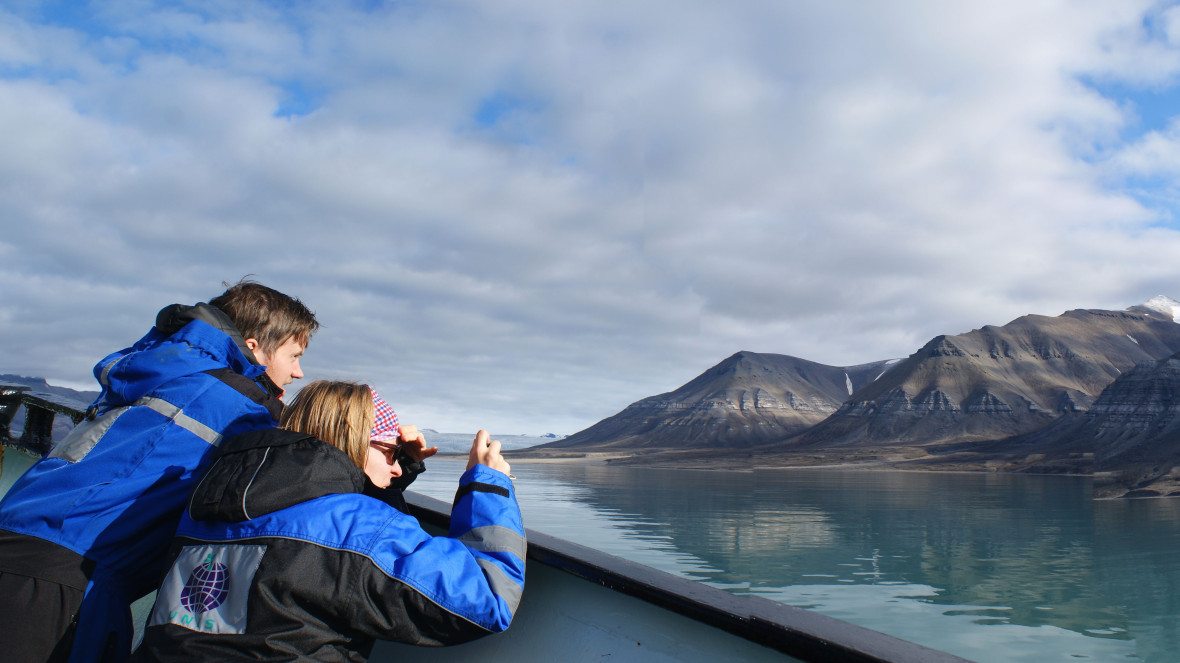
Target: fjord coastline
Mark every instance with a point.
(1091, 393)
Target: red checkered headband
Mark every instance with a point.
(385, 426)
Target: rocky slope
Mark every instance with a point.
(1135, 430)
(997, 382)
(1137, 419)
(1129, 438)
(746, 400)
(969, 401)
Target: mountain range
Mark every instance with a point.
(1129, 439)
(745, 401)
(1088, 391)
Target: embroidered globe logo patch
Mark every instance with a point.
(205, 588)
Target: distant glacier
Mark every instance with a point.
(461, 442)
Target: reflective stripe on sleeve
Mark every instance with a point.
(495, 538)
(82, 439)
(502, 586)
(183, 420)
(106, 371)
(84, 436)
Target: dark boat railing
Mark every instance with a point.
(40, 410)
(802, 634)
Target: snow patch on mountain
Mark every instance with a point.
(1165, 305)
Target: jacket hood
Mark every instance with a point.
(186, 340)
(172, 319)
(259, 472)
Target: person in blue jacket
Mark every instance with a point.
(281, 557)
(86, 530)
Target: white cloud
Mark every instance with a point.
(665, 184)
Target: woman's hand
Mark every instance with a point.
(414, 444)
(487, 453)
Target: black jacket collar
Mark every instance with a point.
(263, 471)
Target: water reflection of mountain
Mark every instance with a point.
(1017, 550)
(1137, 570)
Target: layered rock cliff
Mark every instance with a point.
(746, 400)
(1028, 395)
(1129, 439)
(1088, 391)
(997, 382)
(1135, 427)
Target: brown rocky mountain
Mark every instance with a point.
(1137, 418)
(1135, 429)
(976, 392)
(1129, 438)
(746, 400)
(997, 382)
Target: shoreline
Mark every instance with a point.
(1162, 487)
(899, 463)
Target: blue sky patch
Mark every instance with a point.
(66, 14)
(298, 99)
(1153, 108)
(508, 116)
(496, 107)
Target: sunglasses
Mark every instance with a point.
(390, 449)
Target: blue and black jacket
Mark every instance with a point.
(281, 557)
(99, 511)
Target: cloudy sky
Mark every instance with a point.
(524, 215)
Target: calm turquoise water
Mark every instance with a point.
(989, 567)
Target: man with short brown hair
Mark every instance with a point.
(85, 531)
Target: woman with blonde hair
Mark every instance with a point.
(280, 555)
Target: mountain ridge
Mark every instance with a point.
(974, 400)
(995, 382)
(1129, 439)
(746, 399)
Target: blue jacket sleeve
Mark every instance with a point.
(447, 590)
(486, 519)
